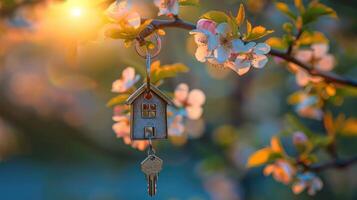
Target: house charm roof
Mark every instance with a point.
(153, 89)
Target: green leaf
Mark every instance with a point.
(299, 5)
(126, 32)
(240, 15)
(288, 27)
(216, 16)
(349, 127)
(256, 33)
(284, 8)
(167, 71)
(249, 28)
(234, 26)
(316, 10)
(321, 141)
(119, 99)
(277, 43)
(189, 2)
(329, 124)
(259, 157)
(307, 38)
(276, 145)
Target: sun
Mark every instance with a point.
(76, 11)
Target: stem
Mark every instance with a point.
(291, 46)
(337, 164)
(327, 76)
(178, 23)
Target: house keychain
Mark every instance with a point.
(148, 108)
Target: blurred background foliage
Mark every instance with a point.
(56, 138)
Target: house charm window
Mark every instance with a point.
(148, 110)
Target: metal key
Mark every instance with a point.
(151, 167)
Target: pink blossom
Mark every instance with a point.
(122, 13)
(308, 181)
(121, 127)
(192, 100)
(248, 55)
(205, 38)
(281, 170)
(308, 107)
(167, 7)
(318, 57)
(127, 80)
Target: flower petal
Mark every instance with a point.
(302, 78)
(241, 66)
(243, 71)
(294, 67)
(242, 62)
(118, 86)
(268, 169)
(304, 56)
(319, 50)
(221, 54)
(128, 73)
(250, 45)
(201, 53)
(261, 48)
(298, 187)
(118, 10)
(206, 24)
(326, 63)
(181, 93)
(204, 37)
(212, 42)
(194, 112)
(200, 37)
(134, 19)
(174, 7)
(196, 98)
(240, 47)
(259, 61)
(167, 7)
(223, 29)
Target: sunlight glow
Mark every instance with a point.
(76, 11)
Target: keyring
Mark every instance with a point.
(143, 51)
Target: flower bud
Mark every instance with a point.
(299, 138)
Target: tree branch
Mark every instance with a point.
(329, 77)
(337, 164)
(178, 23)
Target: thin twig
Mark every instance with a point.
(291, 46)
(329, 77)
(178, 23)
(336, 164)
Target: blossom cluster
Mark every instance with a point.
(287, 170)
(125, 16)
(318, 57)
(217, 45)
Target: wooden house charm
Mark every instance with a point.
(148, 110)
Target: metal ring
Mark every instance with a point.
(142, 50)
